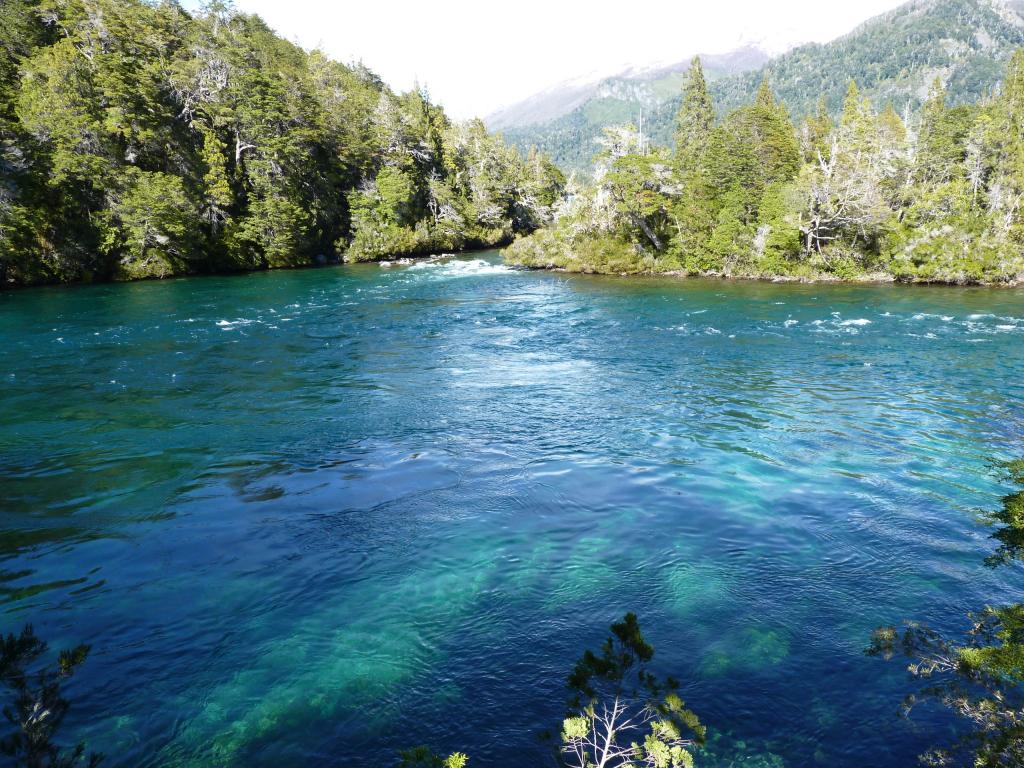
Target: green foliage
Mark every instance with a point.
(620, 653)
(861, 198)
(556, 248)
(460, 188)
(621, 714)
(636, 184)
(815, 134)
(422, 757)
(38, 707)
(733, 237)
(1009, 519)
(396, 192)
(941, 138)
(139, 141)
(152, 225)
(942, 237)
(694, 121)
(753, 148)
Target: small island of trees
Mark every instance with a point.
(928, 197)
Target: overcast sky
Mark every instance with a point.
(475, 56)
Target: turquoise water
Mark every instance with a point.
(322, 515)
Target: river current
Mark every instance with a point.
(314, 517)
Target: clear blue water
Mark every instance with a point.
(326, 514)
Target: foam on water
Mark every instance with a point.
(228, 325)
(459, 268)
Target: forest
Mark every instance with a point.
(140, 141)
(927, 196)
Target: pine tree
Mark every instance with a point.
(815, 133)
(694, 121)
(936, 152)
(692, 211)
(1007, 193)
(765, 97)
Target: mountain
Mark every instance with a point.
(893, 57)
(565, 119)
(648, 86)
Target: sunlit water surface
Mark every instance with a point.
(313, 517)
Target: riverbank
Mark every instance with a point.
(319, 262)
(548, 250)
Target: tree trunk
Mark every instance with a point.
(642, 223)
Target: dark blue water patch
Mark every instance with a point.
(329, 514)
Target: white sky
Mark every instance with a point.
(475, 57)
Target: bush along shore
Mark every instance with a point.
(138, 140)
(934, 196)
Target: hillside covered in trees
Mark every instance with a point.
(936, 199)
(894, 58)
(138, 140)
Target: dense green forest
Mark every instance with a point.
(894, 58)
(137, 140)
(935, 197)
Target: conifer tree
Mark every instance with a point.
(691, 211)
(765, 97)
(1006, 192)
(694, 121)
(937, 149)
(815, 133)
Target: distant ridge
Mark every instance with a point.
(649, 86)
(893, 57)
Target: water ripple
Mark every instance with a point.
(343, 511)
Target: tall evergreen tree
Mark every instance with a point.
(765, 97)
(937, 146)
(815, 133)
(1006, 192)
(694, 121)
(692, 211)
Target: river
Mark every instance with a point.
(314, 517)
